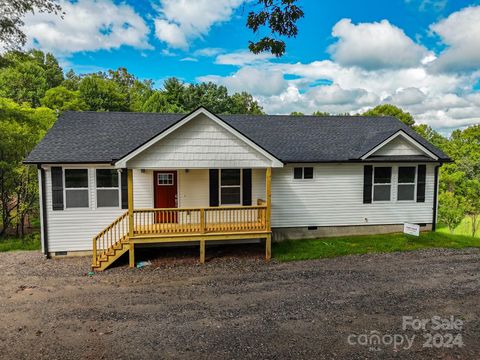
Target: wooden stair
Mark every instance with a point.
(111, 243)
(111, 255)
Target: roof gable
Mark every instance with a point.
(399, 144)
(199, 140)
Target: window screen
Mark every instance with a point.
(308, 173)
(298, 173)
(230, 186)
(382, 183)
(108, 190)
(406, 183)
(76, 188)
(76, 178)
(303, 173)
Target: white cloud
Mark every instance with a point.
(426, 5)
(376, 45)
(460, 32)
(87, 25)
(171, 34)
(181, 21)
(242, 58)
(189, 59)
(431, 97)
(408, 96)
(253, 80)
(209, 51)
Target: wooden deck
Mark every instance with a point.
(137, 226)
(180, 225)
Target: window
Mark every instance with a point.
(230, 187)
(382, 183)
(303, 173)
(76, 188)
(406, 183)
(108, 191)
(165, 179)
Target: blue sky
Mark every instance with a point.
(349, 55)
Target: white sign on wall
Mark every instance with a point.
(411, 229)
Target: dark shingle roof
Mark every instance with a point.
(102, 137)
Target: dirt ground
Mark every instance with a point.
(237, 306)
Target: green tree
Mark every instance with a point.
(62, 99)
(21, 128)
(472, 201)
(244, 103)
(11, 19)
(158, 102)
(25, 77)
(321, 113)
(174, 90)
(296, 113)
(451, 210)
(72, 80)
(137, 92)
(391, 110)
(280, 17)
(101, 94)
(212, 96)
(431, 135)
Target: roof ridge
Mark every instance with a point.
(245, 115)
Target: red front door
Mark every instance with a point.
(165, 189)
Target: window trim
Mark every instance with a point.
(65, 189)
(414, 183)
(220, 186)
(165, 173)
(119, 190)
(303, 173)
(391, 183)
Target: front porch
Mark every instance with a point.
(204, 180)
(139, 226)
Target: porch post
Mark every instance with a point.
(130, 217)
(268, 195)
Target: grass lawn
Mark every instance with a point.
(29, 242)
(348, 245)
(465, 228)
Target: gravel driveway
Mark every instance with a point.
(236, 307)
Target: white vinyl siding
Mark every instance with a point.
(201, 143)
(335, 198)
(398, 146)
(194, 189)
(73, 229)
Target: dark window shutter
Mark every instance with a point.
(214, 187)
(247, 187)
(421, 176)
(367, 184)
(57, 188)
(124, 184)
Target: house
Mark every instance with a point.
(111, 181)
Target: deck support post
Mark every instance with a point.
(268, 247)
(268, 196)
(202, 251)
(130, 203)
(131, 252)
(131, 255)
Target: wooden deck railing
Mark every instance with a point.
(200, 220)
(165, 222)
(108, 237)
